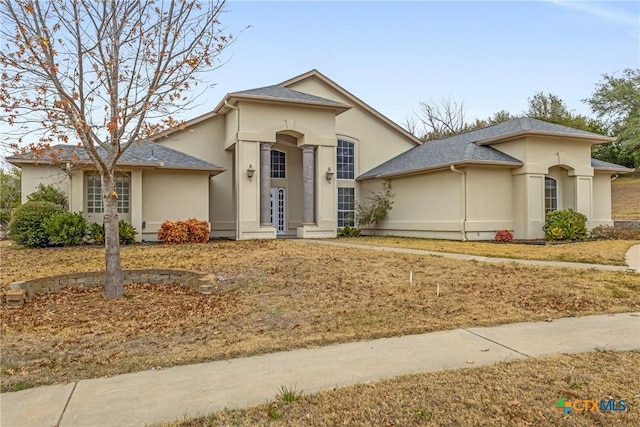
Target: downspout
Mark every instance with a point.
(233, 107)
(463, 220)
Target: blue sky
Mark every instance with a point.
(490, 55)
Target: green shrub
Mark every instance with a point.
(565, 225)
(9, 193)
(49, 193)
(126, 233)
(376, 208)
(189, 231)
(66, 228)
(96, 233)
(348, 231)
(27, 224)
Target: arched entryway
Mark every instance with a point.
(559, 189)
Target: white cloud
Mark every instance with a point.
(608, 11)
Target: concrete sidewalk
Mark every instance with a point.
(168, 394)
(632, 256)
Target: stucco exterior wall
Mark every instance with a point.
(32, 175)
(248, 193)
(206, 140)
(428, 205)
(601, 199)
(539, 153)
(170, 196)
(490, 204)
(443, 204)
(566, 160)
(375, 141)
(311, 126)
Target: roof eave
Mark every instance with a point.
(599, 139)
(235, 97)
(621, 169)
(213, 171)
(18, 161)
(444, 166)
(143, 165)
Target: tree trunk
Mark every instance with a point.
(113, 278)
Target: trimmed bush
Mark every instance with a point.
(96, 233)
(49, 193)
(503, 236)
(189, 231)
(27, 224)
(348, 231)
(565, 225)
(173, 232)
(66, 228)
(126, 232)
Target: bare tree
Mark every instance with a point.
(106, 73)
(442, 118)
(410, 124)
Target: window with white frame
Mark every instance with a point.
(278, 164)
(550, 194)
(345, 160)
(346, 207)
(94, 194)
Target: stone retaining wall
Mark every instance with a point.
(627, 224)
(19, 292)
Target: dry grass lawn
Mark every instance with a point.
(625, 198)
(271, 295)
(519, 393)
(594, 252)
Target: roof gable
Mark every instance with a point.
(285, 94)
(474, 147)
(440, 154)
(526, 125)
(279, 94)
(353, 100)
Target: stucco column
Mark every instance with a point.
(308, 172)
(265, 183)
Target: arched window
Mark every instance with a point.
(278, 164)
(345, 161)
(550, 194)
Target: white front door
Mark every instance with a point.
(278, 210)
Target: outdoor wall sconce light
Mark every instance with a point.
(250, 172)
(329, 174)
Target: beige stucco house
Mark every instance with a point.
(293, 158)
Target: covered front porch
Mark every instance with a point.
(284, 145)
(285, 189)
